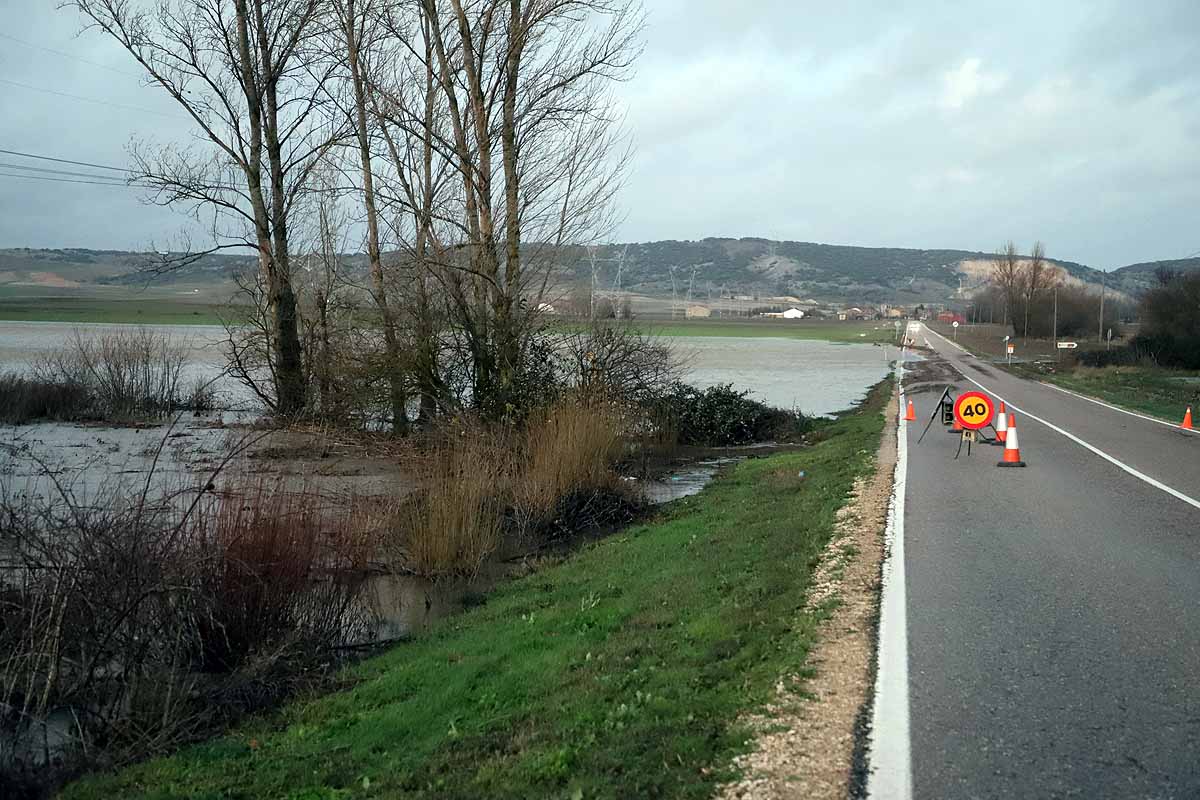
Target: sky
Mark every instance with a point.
(888, 123)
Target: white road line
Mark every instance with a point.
(1122, 410)
(889, 750)
(1135, 473)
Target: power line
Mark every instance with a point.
(64, 161)
(58, 171)
(88, 99)
(69, 55)
(64, 180)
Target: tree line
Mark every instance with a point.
(460, 143)
(1028, 293)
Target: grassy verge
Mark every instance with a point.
(1162, 393)
(621, 672)
(830, 331)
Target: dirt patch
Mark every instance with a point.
(804, 745)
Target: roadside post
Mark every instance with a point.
(1009, 347)
(955, 326)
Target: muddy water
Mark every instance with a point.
(815, 377)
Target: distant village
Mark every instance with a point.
(795, 308)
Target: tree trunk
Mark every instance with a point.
(393, 364)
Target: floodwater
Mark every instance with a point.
(815, 377)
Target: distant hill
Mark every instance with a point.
(1141, 276)
(75, 268)
(833, 273)
(709, 267)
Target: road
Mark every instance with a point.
(1052, 614)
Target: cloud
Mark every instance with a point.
(917, 124)
(967, 81)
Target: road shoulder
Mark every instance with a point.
(805, 740)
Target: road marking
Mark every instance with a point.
(1122, 410)
(1135, 473)
(889, 749)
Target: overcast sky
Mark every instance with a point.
(872, 123)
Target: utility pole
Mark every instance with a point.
(1100, 332)
(1055, 323)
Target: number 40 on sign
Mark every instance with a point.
(974, 410)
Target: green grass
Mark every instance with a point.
(150, 311)
(620, 672)
(1162, 393)
(830, 331)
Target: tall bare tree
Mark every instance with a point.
(524, 88)
(1035, 276)
(249, 75)
(360, 32)
(1006, 274)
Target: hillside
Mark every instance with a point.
(707, 268)
(1142, 275)
(833, 273)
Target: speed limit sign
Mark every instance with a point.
(974, 410)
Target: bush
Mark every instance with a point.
(149, 624)
(477, 484)
(721, 415)
(123, 375)
(454, 518)
(24, 399)
(1159, 349)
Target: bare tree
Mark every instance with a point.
(360, 32)
(248, 74)
(523, 84)
(1035, 276)
(1006, 274)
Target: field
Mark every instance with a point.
(827, 330)
(623, 671)
(149, 309)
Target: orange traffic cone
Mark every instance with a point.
(1012, 451)
(910, 415)
(1002, 423)
(1187, 419)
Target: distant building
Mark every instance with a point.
(950, 316)
(698, 312)
(791, 313)
(546, 308)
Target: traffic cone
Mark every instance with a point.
(1012, 451)
(1187, 419)
(910, 415)
(1002, 423)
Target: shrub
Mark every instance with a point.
(126, 374)
(721, 415)
(565, 479)
(454, 517)
(155, 623)
(1160, 349)
(24, 399)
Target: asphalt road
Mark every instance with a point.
(1053, 612)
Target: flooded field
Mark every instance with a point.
(815, 377)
